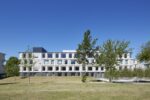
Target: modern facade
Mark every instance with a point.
(2, 60)
(39, 62)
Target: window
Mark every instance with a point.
(50, 68)
(43, 55)
(96, 68)
(25, 61)
(43, 68)
(30, 55)
(24, 68)
(63, 68)
(63, 55)
(125, 67)
(66, 61)
(125, 55)
(83, 68)
(90, 56)
(30, 68)
(57, 68)
(102, 68)
(76, 68)
(90, 68)
(70, 68)
(72, 61)
(126, 61)
(52, 61)
(75, 55)
(23, 55)
(59, 62)
(57, 56)
(120, 56)
(120, 68)
(46, 61)
(50, 55)
(70, 55)
(31, 61)
(93, 61)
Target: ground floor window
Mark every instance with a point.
(83, 68)
(63, 68)
(30, 68)
(70, 68)
(50, 68)
(76, 68)
(89, 68)
(96, 68)
(24, 68)
(43, 68)
(57, 68)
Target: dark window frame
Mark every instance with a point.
(50, 55)
(63, 55)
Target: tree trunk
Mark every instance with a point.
(84, 76)
(29, 77)
(110, 75)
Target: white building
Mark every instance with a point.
(63, 63)
(2, 60)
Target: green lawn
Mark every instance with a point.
(70, 88)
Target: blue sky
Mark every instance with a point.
(60, 24)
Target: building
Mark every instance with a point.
(2, 60)
(63, 63)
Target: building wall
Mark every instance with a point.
(48, 64)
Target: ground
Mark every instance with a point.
(70, 88)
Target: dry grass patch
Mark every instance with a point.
(69, 88)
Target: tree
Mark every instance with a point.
(12, 67)
(87, 48)
(144, 54)
(109, 54)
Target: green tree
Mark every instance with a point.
(147, 72)
(137, 72)
(109, 54)
(12, 67)
(87, 48)
(144, 54)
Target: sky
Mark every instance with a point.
(59, 24)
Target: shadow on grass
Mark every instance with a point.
(8, 83)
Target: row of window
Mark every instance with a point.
(124, 62)
(125, 56)
(63, 55)
(63, 68)
(59, 62)
(27, 55)
(25, 61)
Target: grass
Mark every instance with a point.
(69, 88)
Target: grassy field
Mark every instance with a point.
(70, 88)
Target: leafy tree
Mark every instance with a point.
(12, 67)
(144, 54)
(147, 72)
(87, 48)
(126, 73)
(109, 53)
(138, 72)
